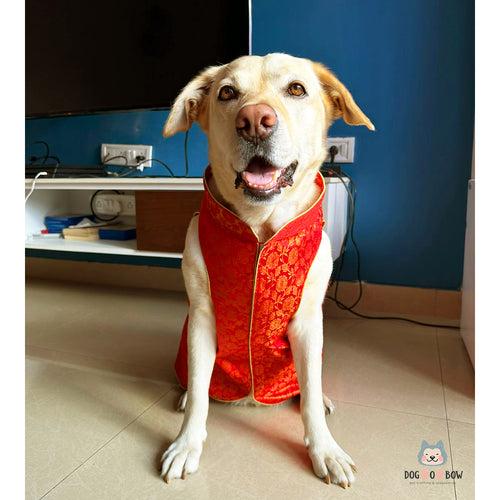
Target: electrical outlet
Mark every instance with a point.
(345, 146)
(115, 204)
(127, 154)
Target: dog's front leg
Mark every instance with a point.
(305, 333)
(183, 455)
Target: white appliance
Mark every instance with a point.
(467, 323)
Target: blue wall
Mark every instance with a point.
(77, 140)
(410, 66)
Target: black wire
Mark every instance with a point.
(92, 206)
(366, 316)
(47, 151)
(106, 160)
(130, 170)
(44, 158)
(161, 162)
(351, 191)
(54, 157)
(146, 160)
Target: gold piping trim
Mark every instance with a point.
(318, 199)
(255, 269)
(260, 247)
(323, 187)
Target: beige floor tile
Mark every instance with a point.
(458, 376)
(387, 376)
(385, 364)
(71, 413)
(134, 327)
(259, 453)
(49, 303)
(384, 444)
(462, 445)
(153, 373)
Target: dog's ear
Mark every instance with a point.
(191, 104)
(338, 100)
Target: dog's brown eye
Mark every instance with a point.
(227, 93)
(296, 89)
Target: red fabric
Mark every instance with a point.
(256, 289)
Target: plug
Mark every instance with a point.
(334, 150)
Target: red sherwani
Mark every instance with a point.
(256, 289)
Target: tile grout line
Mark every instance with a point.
(382, 408)
(107, 442)
(84, 367)
(461, 422)
(445, 408)
(156, 381)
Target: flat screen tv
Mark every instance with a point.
(89, 56)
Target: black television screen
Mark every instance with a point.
(86, 56)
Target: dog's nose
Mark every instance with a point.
(432, 457)
(256, 122)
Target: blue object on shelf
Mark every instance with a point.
(117, 233)
(56, 223)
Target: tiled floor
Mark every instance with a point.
(101, 396)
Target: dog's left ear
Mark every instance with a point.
(338, 100)
(191, 104)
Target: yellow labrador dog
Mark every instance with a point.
(276, 109)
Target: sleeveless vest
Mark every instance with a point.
(255, 289)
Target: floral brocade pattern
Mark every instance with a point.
(256, 290)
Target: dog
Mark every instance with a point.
(266, 119)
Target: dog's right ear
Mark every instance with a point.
(191, 103)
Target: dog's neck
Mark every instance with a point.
(265, 220)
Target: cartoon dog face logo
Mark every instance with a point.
(434, 454)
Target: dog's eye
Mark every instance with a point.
(296, 89)
(227, 93)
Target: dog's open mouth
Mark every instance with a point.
(262, 179)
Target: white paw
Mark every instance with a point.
(328, 404)
(181, 458)
(181, 405)
(330, 462)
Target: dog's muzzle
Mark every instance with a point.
(263, 180)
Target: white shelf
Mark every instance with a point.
(116, 247)
(132, 184)
(54, 195)
(135, 184)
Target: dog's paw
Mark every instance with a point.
(181, 458)
(328, 405)
(181, 405)
(330, 462)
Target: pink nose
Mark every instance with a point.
(256, 122)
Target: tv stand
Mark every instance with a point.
(70, 195)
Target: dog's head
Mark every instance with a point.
(266, 119)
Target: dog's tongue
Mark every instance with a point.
(259, 173)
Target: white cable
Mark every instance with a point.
(33, 185)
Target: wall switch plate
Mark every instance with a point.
(114, 204)
(345, 146)
(129, 151)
